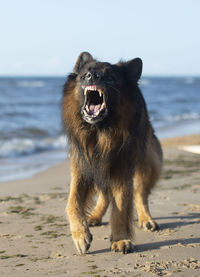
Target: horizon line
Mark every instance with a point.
(65, 75)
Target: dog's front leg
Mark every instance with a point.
(122, 218)
(75, 210)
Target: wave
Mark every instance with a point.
(156, 117)
(32, 132)
(23, 133)
(30, 84)
(32, 140)
(24, 146)
(181, 117)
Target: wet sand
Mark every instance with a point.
(35, 239)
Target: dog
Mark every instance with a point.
(114, 152)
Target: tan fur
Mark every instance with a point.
(96, 215)
(75, 211)
(145, 178)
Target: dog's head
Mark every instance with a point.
(100, 86)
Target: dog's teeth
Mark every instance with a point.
(103, 106)
(87, 108)
(100, 93)
(96, 114)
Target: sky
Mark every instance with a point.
(45, 37)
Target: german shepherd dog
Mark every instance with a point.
(113, 150)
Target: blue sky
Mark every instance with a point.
(44, 37)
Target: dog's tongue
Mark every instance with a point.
(94, 108)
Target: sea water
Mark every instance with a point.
(31, 136)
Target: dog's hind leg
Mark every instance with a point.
(145, 179)
(95, 217)
(141, 194)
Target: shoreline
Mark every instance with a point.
(53, 158)
(40, 178)
(25, 167)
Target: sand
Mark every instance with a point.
(35, 239)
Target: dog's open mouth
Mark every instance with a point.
(94, 107)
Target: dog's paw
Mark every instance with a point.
(123, 246)
(94, 221)
(82, 241)
(149, 225)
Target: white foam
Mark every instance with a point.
(184, 116)
(24, 146)
(192, 148)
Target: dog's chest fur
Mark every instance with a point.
(105, 155)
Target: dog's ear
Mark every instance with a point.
(83, 58)
(134, 69)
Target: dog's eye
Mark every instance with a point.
(83, 76)
(97, 75)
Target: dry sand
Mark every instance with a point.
(35, 238)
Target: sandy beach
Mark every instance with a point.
(35, 239)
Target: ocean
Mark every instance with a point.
(31, 137)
